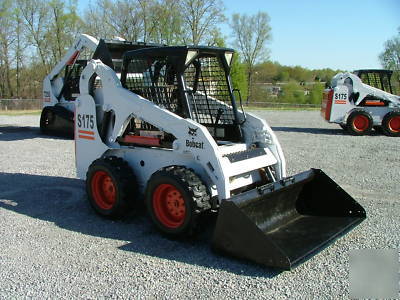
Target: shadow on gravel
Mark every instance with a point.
(311, 130)
(326, 131)
(16, 133)
(63, 201)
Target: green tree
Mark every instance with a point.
(324, 75)
(215, 38)
(282, 76)
(266, 71)
(167, 20)
(292, 93)
(238, 75)
(390, 57)
(315, 95)
(300, 74)
(251, 34)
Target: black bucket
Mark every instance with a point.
(61, 122)
(283, 223)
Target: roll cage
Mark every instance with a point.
(192, 82)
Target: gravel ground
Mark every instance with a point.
(52, 245)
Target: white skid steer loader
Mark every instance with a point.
(168, 130)
(61, 86)
(359, 106)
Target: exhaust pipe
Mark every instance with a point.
(281, 224)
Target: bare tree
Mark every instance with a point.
(94, 20)
(36, 18)
(34, 34)
(162, 21)
(251, 35)
(19, 48)
(147, 13)
(108, 19)
(7, 39)
(64, 24)
(8, 42)
(201, 18)
(12, 45)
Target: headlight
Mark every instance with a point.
(263, 137)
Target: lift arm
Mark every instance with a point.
(82, 41)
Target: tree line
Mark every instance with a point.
(292, 84)
(34, 35)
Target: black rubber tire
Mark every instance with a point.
(387, 130)
(194, 193)
(343, 126)
(351, 126)
(124, 185)
(46, 120)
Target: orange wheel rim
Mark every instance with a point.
(103, 190)
(169, 205)
(394, 124)
(360, 123)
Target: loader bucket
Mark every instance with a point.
(281, 224)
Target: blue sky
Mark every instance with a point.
(336, 34)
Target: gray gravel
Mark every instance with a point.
(52, 245)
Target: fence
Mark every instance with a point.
(20, 104)
(36, 104)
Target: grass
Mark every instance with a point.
(37, 112)
(20, 112)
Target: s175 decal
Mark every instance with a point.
(85, 121)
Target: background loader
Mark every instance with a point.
(61, 86)
(167, 130)
(361, 101)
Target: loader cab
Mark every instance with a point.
(379, 79)
(71, 80)
(192, 82)
(110, 52)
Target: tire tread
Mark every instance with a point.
(125, 180)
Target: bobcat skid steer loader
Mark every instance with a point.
(363, 100)
(169, 132)
(61, 85)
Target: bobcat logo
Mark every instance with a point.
(192, 131)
